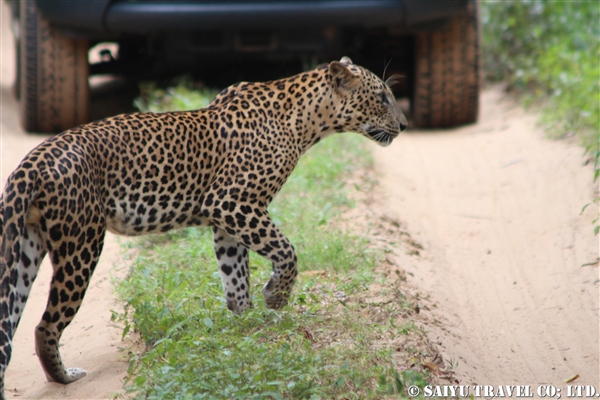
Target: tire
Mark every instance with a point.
(53, 75)
(447, 73)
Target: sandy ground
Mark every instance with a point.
(506, 254)
(496, 207)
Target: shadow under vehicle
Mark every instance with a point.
(434, 45)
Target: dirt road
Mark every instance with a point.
(507, 254)
(496, 207)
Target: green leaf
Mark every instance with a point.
(583, 208)
(399, 383)
(125, 331)
(274, 395)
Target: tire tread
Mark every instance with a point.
(447, 80)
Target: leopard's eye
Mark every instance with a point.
(384, 98)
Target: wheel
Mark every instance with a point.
(16, 30)
(53, 75)
(447, 73)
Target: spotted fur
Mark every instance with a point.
(136, 174)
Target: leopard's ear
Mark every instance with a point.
(342, 79)
(346, 60)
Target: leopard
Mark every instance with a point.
(142, 173)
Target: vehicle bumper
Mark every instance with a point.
(144, 17)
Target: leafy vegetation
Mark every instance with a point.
(329, 343)
(183, 94)
(548, 51)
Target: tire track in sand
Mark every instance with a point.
(497, 206)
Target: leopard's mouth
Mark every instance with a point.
(381, 136)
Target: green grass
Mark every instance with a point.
(182, 94)
(330, 342)
(548, 52)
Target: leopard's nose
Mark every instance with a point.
(402, 122)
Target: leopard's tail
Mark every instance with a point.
(21, 252)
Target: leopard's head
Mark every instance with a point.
(364, 103)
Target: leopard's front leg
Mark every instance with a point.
(232, 258)
(277, 291)
(258, 233)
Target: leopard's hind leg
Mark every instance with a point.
(74, 258)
